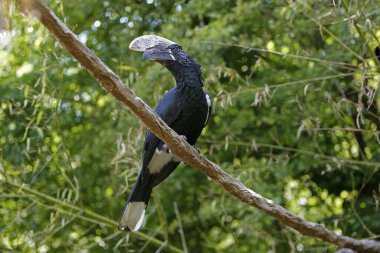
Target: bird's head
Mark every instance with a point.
(168, 53)
(161, 50)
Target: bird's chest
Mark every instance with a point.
(194, 109)
(194, 104)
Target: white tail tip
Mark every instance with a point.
(133, 216)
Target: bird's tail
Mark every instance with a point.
(134, 211)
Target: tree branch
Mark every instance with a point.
(112, 84)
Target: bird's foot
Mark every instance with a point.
(167, 149)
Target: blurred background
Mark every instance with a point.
(295, 118)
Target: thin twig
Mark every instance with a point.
(348, 129)
(180, 227)
(295, 56)
(280, 85)
(161, 247)
(94, 244)
(48, 235)
(296, 150)
(367, 178)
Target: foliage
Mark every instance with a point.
(295, 118)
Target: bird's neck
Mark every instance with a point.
(187, 77)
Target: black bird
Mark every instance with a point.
(185, 108)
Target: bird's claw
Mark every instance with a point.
(167, 149)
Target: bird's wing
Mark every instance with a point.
(162, 165)
(169, 110)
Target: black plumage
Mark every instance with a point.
(186, 109)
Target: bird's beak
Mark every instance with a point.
(158, 53)
(154, 47)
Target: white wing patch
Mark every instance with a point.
(208, 99)
(159, 159)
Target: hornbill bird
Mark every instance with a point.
(185, 108)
